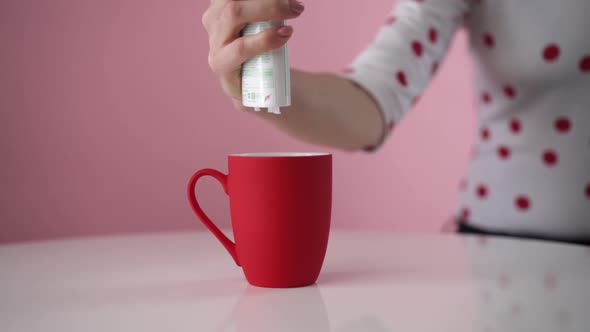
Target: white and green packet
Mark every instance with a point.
(266, 80)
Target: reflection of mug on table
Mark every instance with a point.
(290, 310)
(285, 310)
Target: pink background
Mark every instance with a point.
(107, 107)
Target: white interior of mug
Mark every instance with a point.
(280, 154)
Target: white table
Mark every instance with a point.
(371, 282)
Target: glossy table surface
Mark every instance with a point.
(371, 282)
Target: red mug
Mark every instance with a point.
(280, 206)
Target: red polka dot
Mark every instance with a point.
(488, 40)
(523, 203)
(563, 124)
(390, 20)
(588, 191)
(486, 97)
(550, 281)
(465, 213)
(482, 240)
(434, 67)
(551, 52)
(401, 78)
(485, 134)
(585, 64)
(504, 152)
(550, 157)
(391, 126)
(509, 91)
(417, 48)
(433, 35)
(515, 126)
(415, 100)
(504, 280)
(515, 310)
(482, 191)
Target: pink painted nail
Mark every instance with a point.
(296, 7)
(285, 31)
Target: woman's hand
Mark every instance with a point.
(228, 50)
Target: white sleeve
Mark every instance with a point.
(405, 54)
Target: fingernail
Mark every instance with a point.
(296, 7)
(285, 31)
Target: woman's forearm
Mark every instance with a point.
(329, 110)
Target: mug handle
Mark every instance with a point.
(192, 198)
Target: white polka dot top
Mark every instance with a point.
(530, 173)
